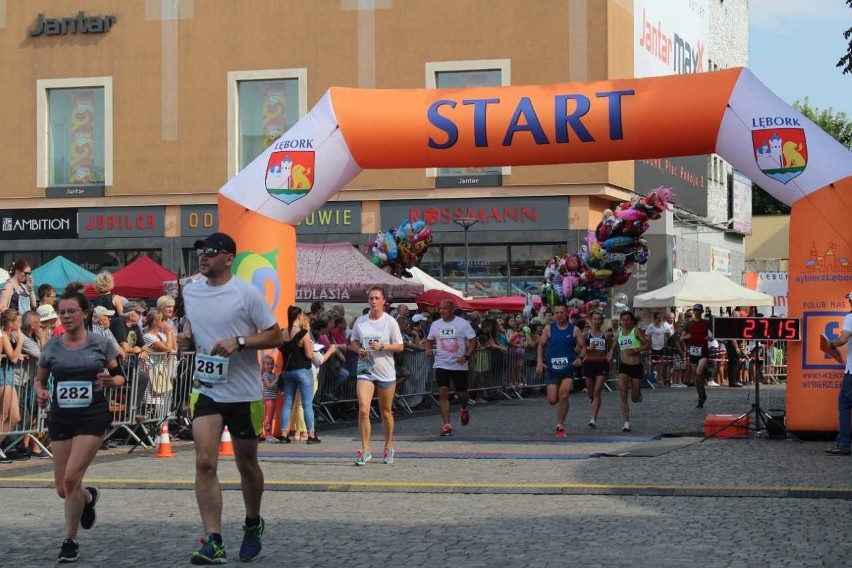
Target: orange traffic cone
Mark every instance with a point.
(226, 448)
(164, 450)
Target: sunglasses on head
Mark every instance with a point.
(209, 251)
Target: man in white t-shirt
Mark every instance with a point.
(659, 332)
(229, 321)
(844, 400)
(375, 337)
(453, 340)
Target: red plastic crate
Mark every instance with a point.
(726, 425)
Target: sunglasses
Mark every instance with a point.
(27, 273)
(209, 251)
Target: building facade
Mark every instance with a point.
(128, 117)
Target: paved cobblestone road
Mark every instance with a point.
(501, 492)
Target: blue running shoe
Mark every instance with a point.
(251, 546)
(211, 552)
(363, 457)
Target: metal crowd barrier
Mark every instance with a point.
(157, 391)
(490, 371)
(21, 419)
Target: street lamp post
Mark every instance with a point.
(466, 223)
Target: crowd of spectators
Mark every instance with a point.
(506, 343)
(29, 318)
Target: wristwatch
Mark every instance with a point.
(241, 343)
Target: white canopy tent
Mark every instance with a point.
(430, 283)
(710, 289)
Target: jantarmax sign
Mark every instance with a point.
(82, 24)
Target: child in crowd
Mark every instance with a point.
(270, 396)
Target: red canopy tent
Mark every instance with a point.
(142, 278)
(433, 298)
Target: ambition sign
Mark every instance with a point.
(82, 24)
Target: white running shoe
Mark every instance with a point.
(626, 427)
(592, 423)
(272, 440)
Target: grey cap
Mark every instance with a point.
(133, 307)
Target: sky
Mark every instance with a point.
(794, 46)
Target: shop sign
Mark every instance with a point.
(332, 218)
(81, 24)
(470, 180)
(122, 222)
(22, 224)
(533, 214)
(198, 220)
(63, 191)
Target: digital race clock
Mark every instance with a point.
(760, 329)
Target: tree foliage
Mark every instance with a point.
(845, 63)
(835, 124)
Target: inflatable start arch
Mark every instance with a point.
(728, 112)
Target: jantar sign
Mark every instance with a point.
(82, 24)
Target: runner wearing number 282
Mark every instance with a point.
(82, 365)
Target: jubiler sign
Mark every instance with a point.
(82, 24)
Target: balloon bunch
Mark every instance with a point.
(398, 249)
(611, 251)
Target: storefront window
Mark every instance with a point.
(431, 262)
(267, 109)
(528, 263)
(76, 136)
(489, 269)
(465, 79)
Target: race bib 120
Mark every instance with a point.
(74, 394)
(211, 368)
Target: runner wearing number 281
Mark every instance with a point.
(229, 321)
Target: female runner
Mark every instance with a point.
(83, 364)
(595, 365)
(630, 343)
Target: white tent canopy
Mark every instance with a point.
(430, 283)
(708, 288)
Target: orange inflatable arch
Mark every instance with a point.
(727, 112)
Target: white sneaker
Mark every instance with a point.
(272, 440)
(712, 384)
(592, 423)
(626, 427)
